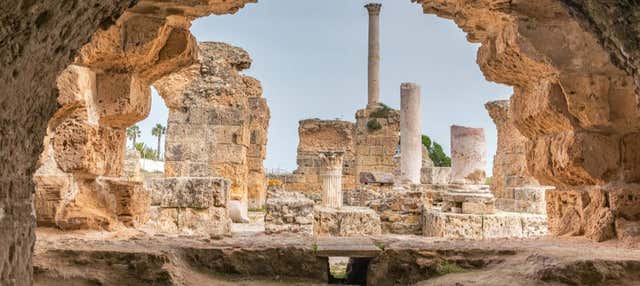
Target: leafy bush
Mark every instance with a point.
(373, 124)
(436, 153)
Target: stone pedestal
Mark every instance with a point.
(331, 176)
(468, 155)
(374, 54)
(410, 134)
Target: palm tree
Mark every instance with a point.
(133, 133)
(158, 131)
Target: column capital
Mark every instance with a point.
(373, 8)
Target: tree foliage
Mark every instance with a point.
(133, 133)
(436, 153)
(145, 152)
(158, 131)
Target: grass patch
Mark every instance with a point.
(447, 267)
(380, 245)
(314, 247)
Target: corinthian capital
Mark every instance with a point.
(373, 8)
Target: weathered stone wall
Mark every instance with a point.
(258, 125)
(574, 100)
(510, 161)
(377, 134)
(315, 136)
(215, 114)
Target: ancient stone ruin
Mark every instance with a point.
(77, 73)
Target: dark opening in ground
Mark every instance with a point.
(348, 270)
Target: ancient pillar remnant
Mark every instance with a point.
(331, 176)
(374, 53)
(468, 155)
(410, 139)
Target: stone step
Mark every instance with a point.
(346, 247)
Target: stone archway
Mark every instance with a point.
(555, 53)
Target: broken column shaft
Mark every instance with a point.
(331, 176)
(374, 54)
(410, 139)
(468, 155)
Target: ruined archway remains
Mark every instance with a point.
(556, 54)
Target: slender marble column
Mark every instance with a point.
(374, 53)
(331, 176)
(410, 135)
(468, 155)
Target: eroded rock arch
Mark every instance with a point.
(554, 53)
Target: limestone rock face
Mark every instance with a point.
(574, 94)
(510, 162)
(217, 121)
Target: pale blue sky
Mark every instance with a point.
(311, 57)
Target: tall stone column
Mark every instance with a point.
(374, 53)
(331, 176)
(410, 139)
(468, 155)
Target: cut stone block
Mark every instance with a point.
(191, 192)
(485, 226)
(501, 225)
(132, 200)
(346, 221)
(288, 212)
(450, 225)
(381, 178)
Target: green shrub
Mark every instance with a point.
(384, 111)
(373, 124)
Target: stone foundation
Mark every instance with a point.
(530, 199)
(288, 212)
(435, 175)
(346, 221)
(400, 208)
(475, 226)
(190, 205)
(468, 199)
